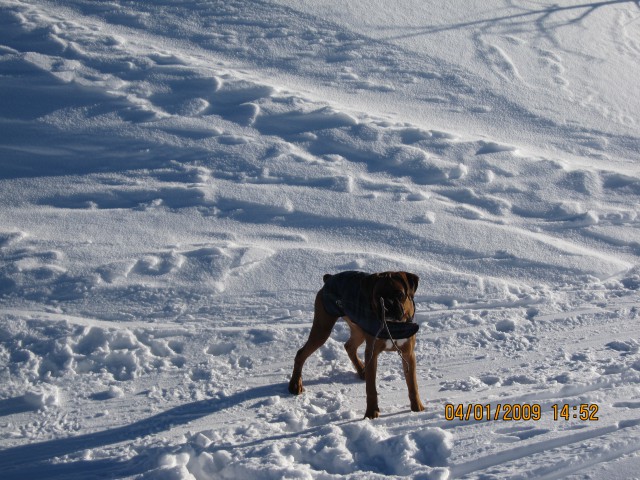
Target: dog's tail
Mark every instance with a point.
(326, 277)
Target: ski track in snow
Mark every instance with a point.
(167, 217)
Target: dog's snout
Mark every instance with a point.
(393, 308)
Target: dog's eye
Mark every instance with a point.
(396, 299)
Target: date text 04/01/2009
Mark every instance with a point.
(519, 411)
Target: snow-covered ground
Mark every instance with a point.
(176, 177)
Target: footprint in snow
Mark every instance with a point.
(11, 238)
(517, 434)
(158, 265)
(221, 349)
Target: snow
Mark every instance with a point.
(176, 177)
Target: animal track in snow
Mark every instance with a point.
(11, 238)
(497, 59)
(33, 270)
(208, 265)
(133, 198)
(553, 62)
(517, 434)
(155, 265)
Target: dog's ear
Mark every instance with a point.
(412, 281)
(326, 277)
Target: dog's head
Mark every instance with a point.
(396, 289)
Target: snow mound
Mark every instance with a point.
(42, 396)
(360, 448)
(41, 349)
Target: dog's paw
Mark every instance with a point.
(371, 414)
(295, 386)
(418, 407)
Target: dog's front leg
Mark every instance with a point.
(410, 375)
(370, 370)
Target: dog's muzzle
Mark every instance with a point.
(396, 328)
(393, 310)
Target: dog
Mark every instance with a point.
(379, 309)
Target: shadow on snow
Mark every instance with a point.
(34, 460)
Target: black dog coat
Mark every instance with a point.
(343, 295)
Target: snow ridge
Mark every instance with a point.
(176, 177)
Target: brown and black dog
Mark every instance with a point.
(379, 309)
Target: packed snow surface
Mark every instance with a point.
(177, 176)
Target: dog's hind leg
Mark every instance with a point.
(320, 331)
(356, 339)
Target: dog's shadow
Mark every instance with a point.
(35, 460)
(347, 377)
